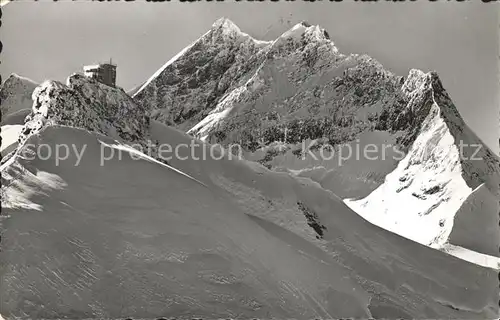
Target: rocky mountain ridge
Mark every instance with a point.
(85, 103)
(182, 92)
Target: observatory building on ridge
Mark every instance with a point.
(104, 73)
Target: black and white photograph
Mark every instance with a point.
(235, 159)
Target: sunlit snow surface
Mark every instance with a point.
(9, 134)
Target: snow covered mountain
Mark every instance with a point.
(282, 97)
(15, 96)
(188, 86)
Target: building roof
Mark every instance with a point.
(97, 66)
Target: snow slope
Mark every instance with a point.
(15, 94)
(134, 238)
(485, 260)
(345, 171)
(174, 249)
(255, 190)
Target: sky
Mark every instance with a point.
(50, 40)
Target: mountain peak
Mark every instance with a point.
(15, 94)
(305, 24)
(436, 82)
(418, 78)
(422, 87)
(307, 30)
(225, 24)
(14, 77)
(225, 29)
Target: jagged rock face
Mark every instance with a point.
(307, 88)
(15, 94)
(222, 86)
(88, 104)
(187, 87)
